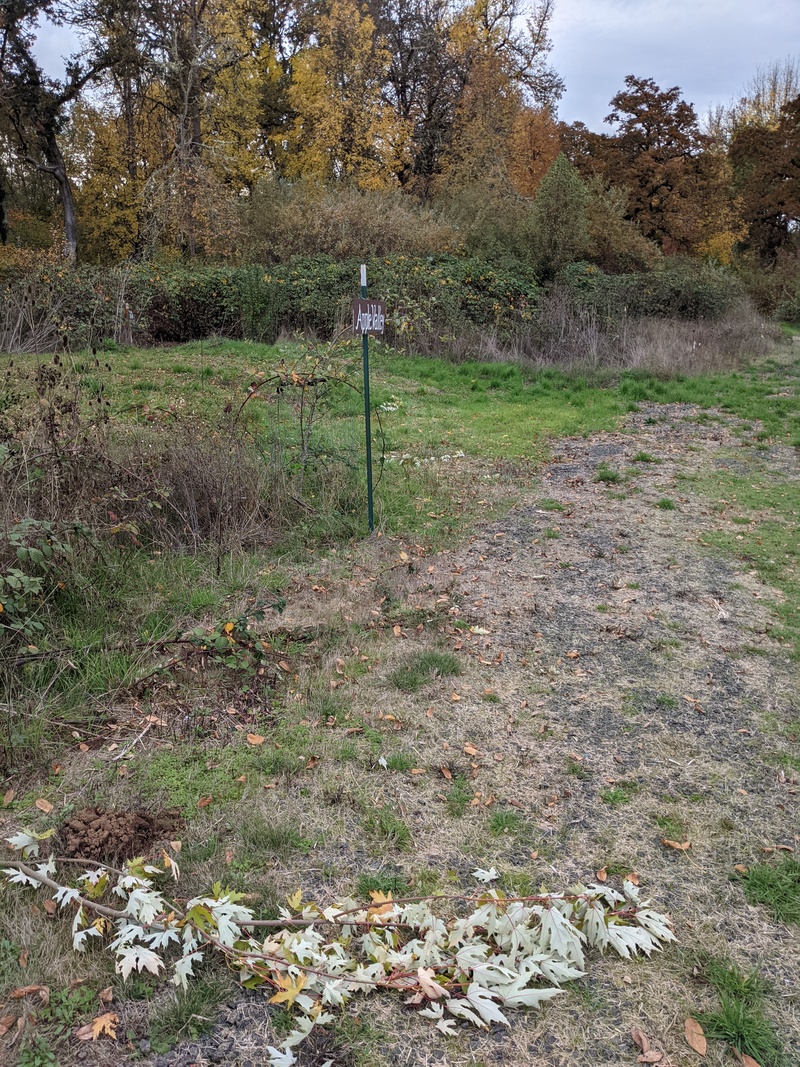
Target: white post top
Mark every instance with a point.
(363, 274)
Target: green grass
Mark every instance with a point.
(769, 544)
(672, 828)
(420, 668)
(645, 457)
(383, 882)
(606, 474)
(506, 822)
(740, 1020)
(548, 504)
(384, 825)
(777, 886)
(458, 796)
(263, 838)
(621, 793)
(666, 504)
(186, 1015)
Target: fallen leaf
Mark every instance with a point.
(83, 747)
(176, 845)
(428, 984)
(242, 778)
(470, 750)
(288, 989)
(23, 959)
(650, 1057)
(203, 802)
(6, 1023)
(680, 846)
(601, 876)
(695, 1037)
(748, 1061)
(632, 877)
(284, 666)
(397, 631)
(446, 773)
(44, 805)
(26, 990)
(417, 770)
(784, 848)
(103, 1024)
(8, 797)
(50, 907)
(312, 762)
(106, 995)
(55, 767)
(255, 739)
(455, 696)
(740, 867)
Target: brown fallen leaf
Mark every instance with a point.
(255, 739)
(106, 995)
(740, 867)
(470, 750)
(44, 805)
(680, 846)
(632, 877)
(176, 845)
(203, 802)
(103, 1024)
(417, 770)
(653, 1056)
(6, 1022)
(745, 1060)
(284, 666)
(312, 762)
(27, 990)
(23, 959)
(640, 1039)
(695, 1038)
(397, 631)
(50, 907)
(446, 773)
(601, 876)
(8, 797)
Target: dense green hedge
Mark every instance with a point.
(175, 302)
(434, 296)
(681, 290)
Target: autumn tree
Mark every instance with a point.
(559, 226)
(35, 106)
(344, 128)
(766, 164)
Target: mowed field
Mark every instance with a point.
(569, 651)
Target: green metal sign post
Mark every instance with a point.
(369, 316)
(367, 416)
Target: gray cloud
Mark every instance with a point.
(709, 48)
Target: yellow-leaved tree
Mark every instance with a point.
(343, 129)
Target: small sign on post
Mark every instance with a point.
(369, 316)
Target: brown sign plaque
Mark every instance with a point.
(369, 316)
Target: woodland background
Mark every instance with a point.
(190, 140)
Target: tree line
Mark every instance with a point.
(252, 129)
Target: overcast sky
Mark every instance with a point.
(709, 48)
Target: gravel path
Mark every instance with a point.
(631, 661)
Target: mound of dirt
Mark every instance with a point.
(97, 834)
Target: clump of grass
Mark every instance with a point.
(645, 457)
(666, 504)
(458, 796)
(262, 837)
(190, 1013)
(423, 667)
(548, 504)
(621, 793)
(672, 828)
(399, 761)
(505, 822)
(552, 533)
(383, 823)
(606, 474)
(383, 882)
(776, 886)
(740, 1020)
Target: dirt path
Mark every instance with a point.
(622, 687)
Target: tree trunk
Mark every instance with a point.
(56, 167)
